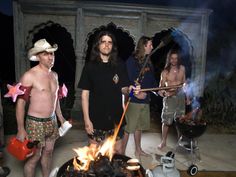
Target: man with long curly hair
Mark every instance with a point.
(174, 99)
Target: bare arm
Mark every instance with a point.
(125, 90)
(58, 107)
(20, 108)
(162, 84)
(85, 109)
(59, 113)
(20, 117)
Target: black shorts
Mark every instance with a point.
(101, 135)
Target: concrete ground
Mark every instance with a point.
(217, 151)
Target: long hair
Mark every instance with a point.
(139, 52)
(168, 64)
(95, 53)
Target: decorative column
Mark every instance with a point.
(204, 33)
(142, 25)
(21, 61)
(79, 46)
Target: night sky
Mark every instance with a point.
(6, 7)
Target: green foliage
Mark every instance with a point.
(220, 101)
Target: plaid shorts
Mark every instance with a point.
(173, 107)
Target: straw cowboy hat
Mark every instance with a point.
(40, 46)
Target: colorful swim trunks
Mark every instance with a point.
(41, 129)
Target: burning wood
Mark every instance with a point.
(191, 125)
(103, 167)
(192, 117)
(92, 153)
(100, 161)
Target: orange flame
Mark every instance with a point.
(88, 154)
(91, 153)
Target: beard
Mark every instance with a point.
(174, 64)
(105, 53)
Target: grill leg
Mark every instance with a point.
(178, 144)
(194, 150)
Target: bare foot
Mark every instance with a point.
(141, 153)
(160, 146)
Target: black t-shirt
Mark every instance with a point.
(105, 99)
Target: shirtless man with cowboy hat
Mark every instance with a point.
(41, 86)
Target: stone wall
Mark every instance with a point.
(82, 18)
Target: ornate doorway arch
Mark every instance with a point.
(64, 57)
(125, 41)
(179, 41)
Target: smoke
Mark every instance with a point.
(221, 40)
(221, 53)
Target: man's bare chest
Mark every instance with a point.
(45, 85)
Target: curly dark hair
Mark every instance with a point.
(95, 53)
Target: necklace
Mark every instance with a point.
(175, 70)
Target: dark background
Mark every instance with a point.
(221, 37)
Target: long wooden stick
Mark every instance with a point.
(122, 118)
(163, 42)
(143, 90)
(161, 88)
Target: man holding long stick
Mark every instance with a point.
(138, 113)
(174, 99)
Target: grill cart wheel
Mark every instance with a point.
(4, 171)
(192, 170)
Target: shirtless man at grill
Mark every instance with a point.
(173, 99)
(40, 85)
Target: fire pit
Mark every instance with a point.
(101, 161)
(102, 167)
